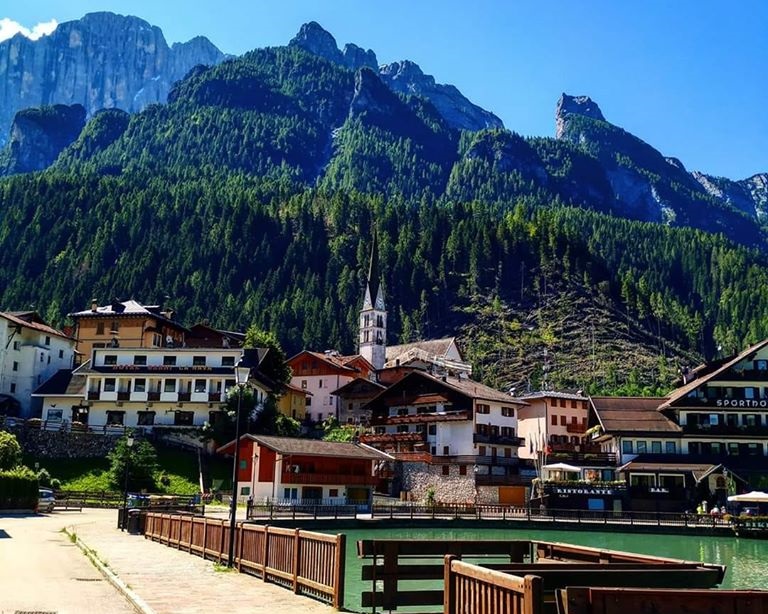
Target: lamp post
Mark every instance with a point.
(128, 446)
(241, 379)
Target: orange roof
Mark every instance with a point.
(43, 328)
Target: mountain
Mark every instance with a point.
(252, 195)
(403, 77)
(101, 61)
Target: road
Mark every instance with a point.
(42, 571)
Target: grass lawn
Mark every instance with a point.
(178, 467)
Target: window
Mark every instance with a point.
(573, 404)
(642, 447)
(462, 470)
(656, 447)
(115, 418)
(508, 412)
(55, 415)
(49, 359)
(761, 365)
(642, 479)
(186, 418)
(114, 327)
(198, 361)
(13, 388)
(481, 450)
(402, 428)
(508, 452)
(140, 385)
(446, 450)
(320, 383)
(47, 340)
(110, 359)
(61, 353)
(199, 385)
(227, 361)
(42, 357)
(671, 481)
(433, 429)
(733, 448)
(446, 470)
(670, 447)
(169, 385)
(402, 411)
(554, 420)
(16, 345)
(109, 384)
(626, 447)
(303, 384)
(145, 418)
(333, 492)
(15, 366)
(483, 409)
(507, 431)
(245, 491)
(99, 328)
(140, 360)
(749, 393)
(562, 421)
(169, 361)
(755, 449)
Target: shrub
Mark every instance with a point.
(18, 489)
(44, 478)
(142, 464)
(10, 451)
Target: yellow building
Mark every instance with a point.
(293, 402)
(125, 324)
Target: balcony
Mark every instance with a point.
(583, 459)
(499, 440)
(124, 395)
(139, 395)
(185, 396)
(214, 397)
(172, 397)
(725, 429)
(153, 396)
(500, 480)
(94, 395)
(576, 428)
(328, 478)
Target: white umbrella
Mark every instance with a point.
(562, 467)
(750, 497)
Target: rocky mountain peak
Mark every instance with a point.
(356, 57)
(103, 60)
(312, 37)
(577, 105)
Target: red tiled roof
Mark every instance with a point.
(43, 328)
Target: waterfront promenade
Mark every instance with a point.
(164, 580)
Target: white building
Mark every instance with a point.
(30, 353)
(145, 387)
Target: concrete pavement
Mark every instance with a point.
(167, 581)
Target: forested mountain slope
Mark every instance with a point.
(252, 195)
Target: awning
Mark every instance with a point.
(750, 497)
(562, 467)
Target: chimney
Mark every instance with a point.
(94, 305)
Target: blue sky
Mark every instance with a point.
(690, 77)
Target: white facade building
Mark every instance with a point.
(30, 353)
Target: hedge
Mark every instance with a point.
(18, 489)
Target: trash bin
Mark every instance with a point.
(135, 522)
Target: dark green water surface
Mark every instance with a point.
(746, 559)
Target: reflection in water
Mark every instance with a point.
(746, 559)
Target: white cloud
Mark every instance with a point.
(9, 28)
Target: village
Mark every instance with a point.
(424, 430)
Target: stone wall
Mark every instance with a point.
(418, 478)
(61, 444)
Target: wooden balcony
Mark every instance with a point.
(289, 477)
(725, 429)
(94, 395)
(124, 395)
(583, 459)
(498, 440)
(576, 428)
(185, 396)
(214, 397)
(153, 396)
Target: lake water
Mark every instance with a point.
(746, 559)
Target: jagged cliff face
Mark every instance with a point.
(38, 136)
(100, 61)
(403, 77)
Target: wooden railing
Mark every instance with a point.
(308, 563)
(470, 589)
(587, 600)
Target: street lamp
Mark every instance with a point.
(128, 446)
(242, 373)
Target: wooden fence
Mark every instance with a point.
(308, 563)
(470, 589)
(585, 600)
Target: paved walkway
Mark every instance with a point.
(174, 582)
(41, 570)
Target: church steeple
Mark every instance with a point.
(373, 316)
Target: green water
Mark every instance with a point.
(746, 559)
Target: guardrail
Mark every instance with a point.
(308, 563)
(470, 589)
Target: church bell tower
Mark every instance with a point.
(372, 344)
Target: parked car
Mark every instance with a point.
(45, 501)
